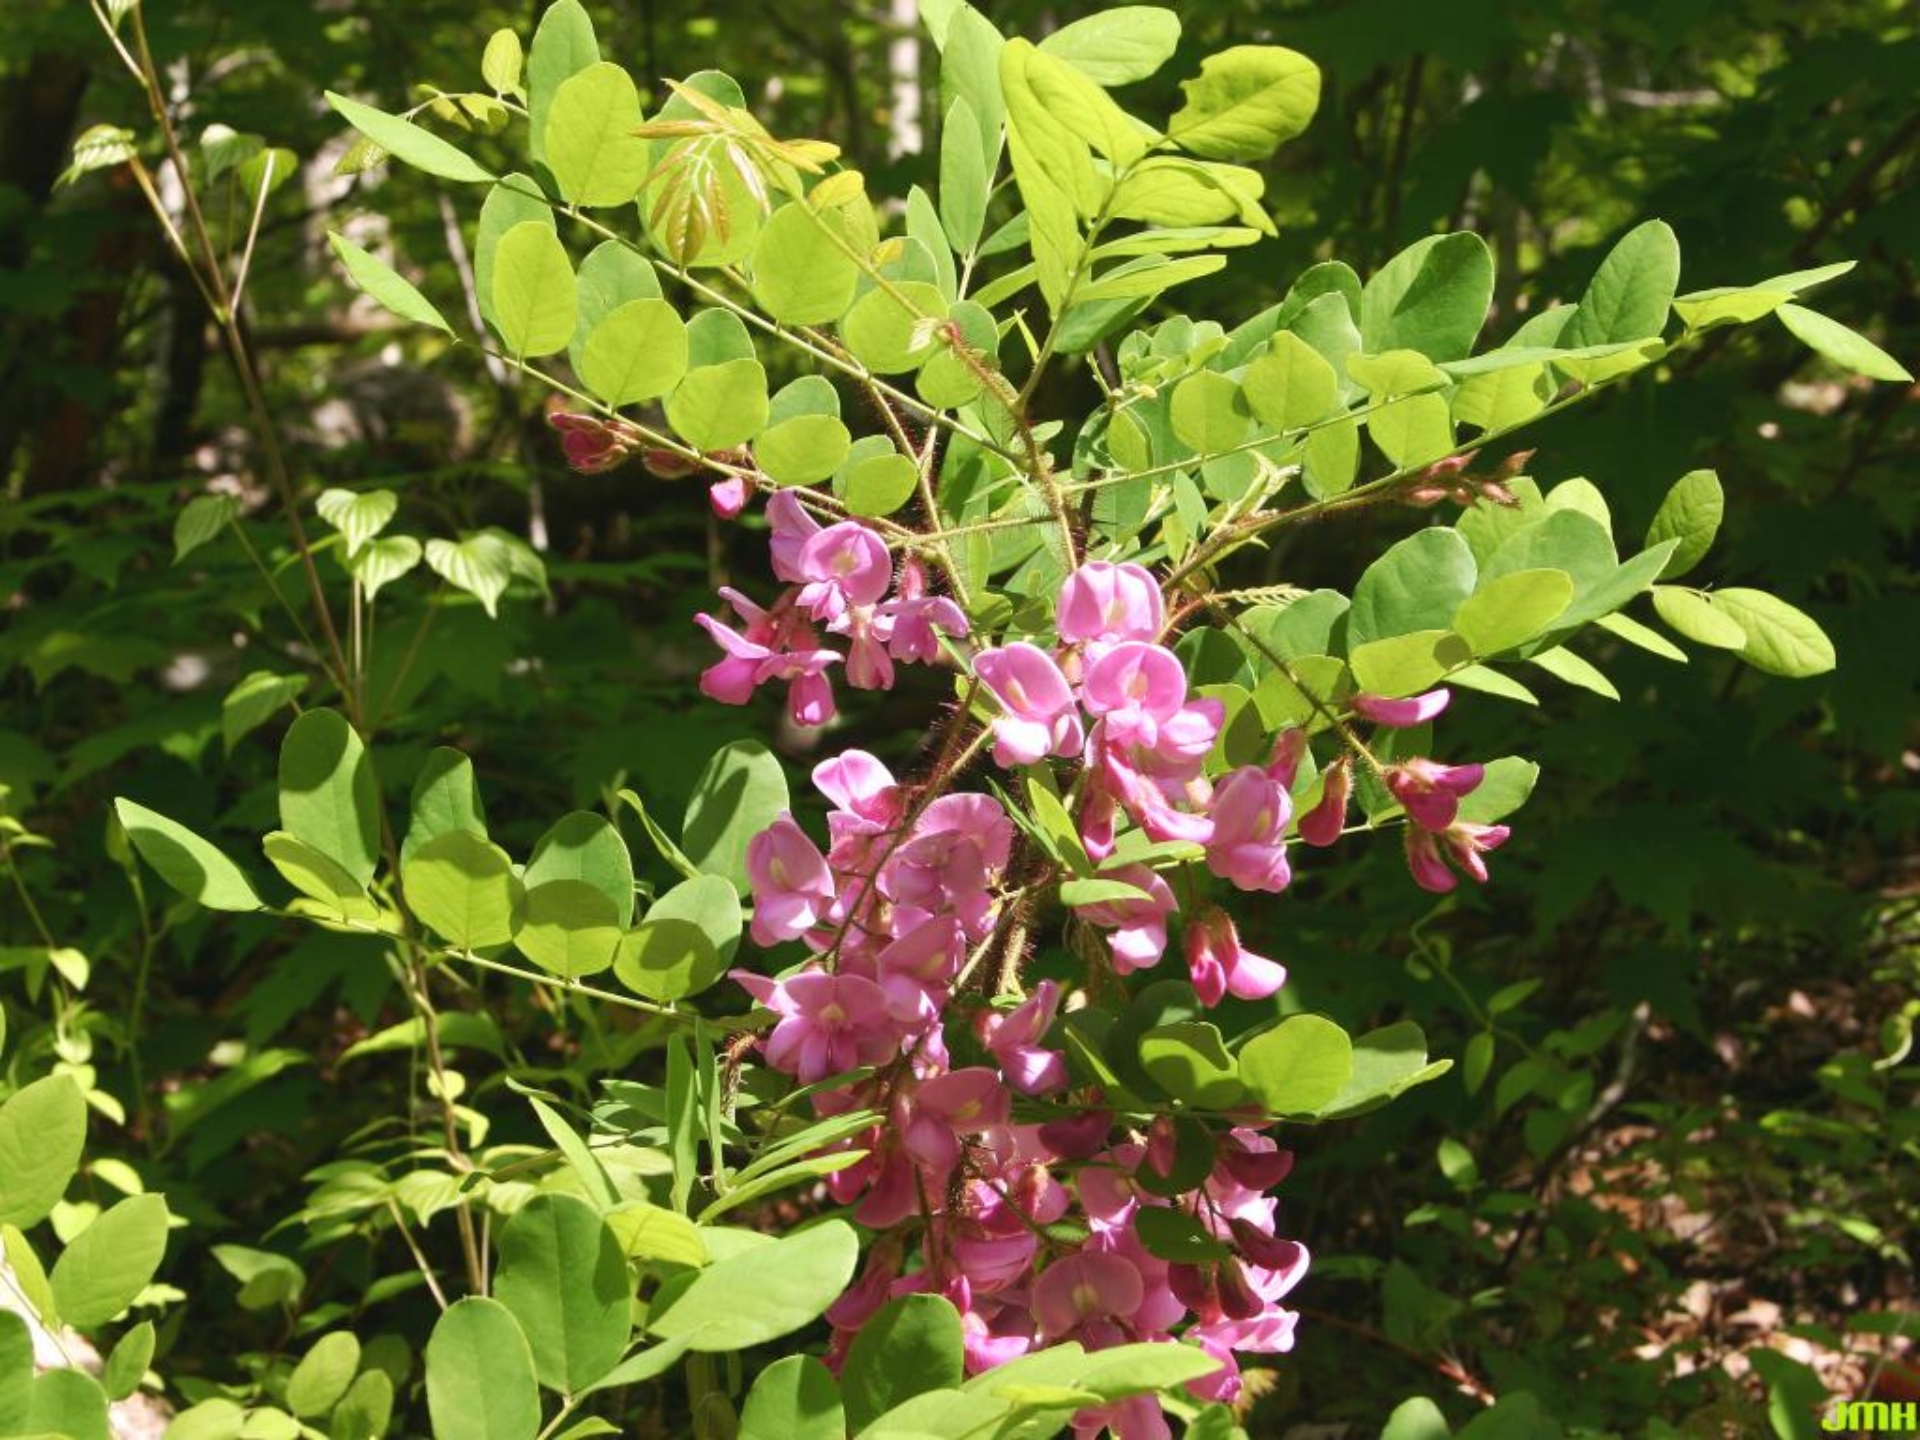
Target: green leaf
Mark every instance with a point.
(1848, 349)
(586, 846)
(319, 877)
(909, 1346)
(1563, 664)
(1117, 46)
(445, 797)
(1290, 384)
(879, 484)
(890, 330)
(803, 450)
(764, 1292)
(1408, 664)
(406, 141)
(794, 1398)
(200, 521)
(29, 1277)
(464, 889)
(1417, 1419)
(685, 943)
(1693, 614)
(563, 45)
(638, 352)
(1386, 1063)
(1297, 1067)
(385, 285)
(1246, 101)
(564, 1277)
(1628, 297)
(366, 1410)
(612, 275)
(320, 1380)
(1208, 413)
(1190, 1062)
(1432, 297)
(1780, 640)
(254, 701)
(110, 1262)
(1728, 305)
(382, 562)
(42, 1128)
(742, 790)
(653, 1232)
(596, 158)
(1645, 637)
(185, 861)
(965, 184)
(1512, 609)
(480, 1377)
(1418, 584)
(568, 928)
(503, 62)
(328, 795)
(358, 515)
(1505, 787)
(1690, 514)
(67, 1405)
(514, 201)
(127, 1366)
(481, 565)
(802, 273)
(1176, 1236)
(535, 299)
(717, 407)
(1095, 891)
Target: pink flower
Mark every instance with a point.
(1322, 824)
(1102, 602)
(768, 651)
(1250, 815)
(1140, 687)
(792, 527)
(1430, 791)
(941, 1110)
(793, 889)
(1399, 714)
(1463, 843)
(1042, 718)
(593, 445)
(828, 1024)
(844, 565)
(860, 786)
(728, 497)
(1220, 966)
(1013, 1038)
(1139, 925)
(1087, 1296)
(913, 619)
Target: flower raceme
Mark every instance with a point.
(989, 1148)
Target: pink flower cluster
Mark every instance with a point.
(838, 578)
(988, 1177)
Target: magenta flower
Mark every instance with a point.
(1250, 814)
(843, 566)
(593, 445)
(1013, 1038)
(1042, 718)
(861, 786)
(913, 620)
(1087, 1296)
(728, 497)
(1431, 792)
(964, 1102)
(1322, 824)
(1220, 966)
(828, 1024)
(1102, 602)
(1463, 843)
(793, 889)
(1139, 925)
(792, 527)
(1399, 714)
(1139, 687)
